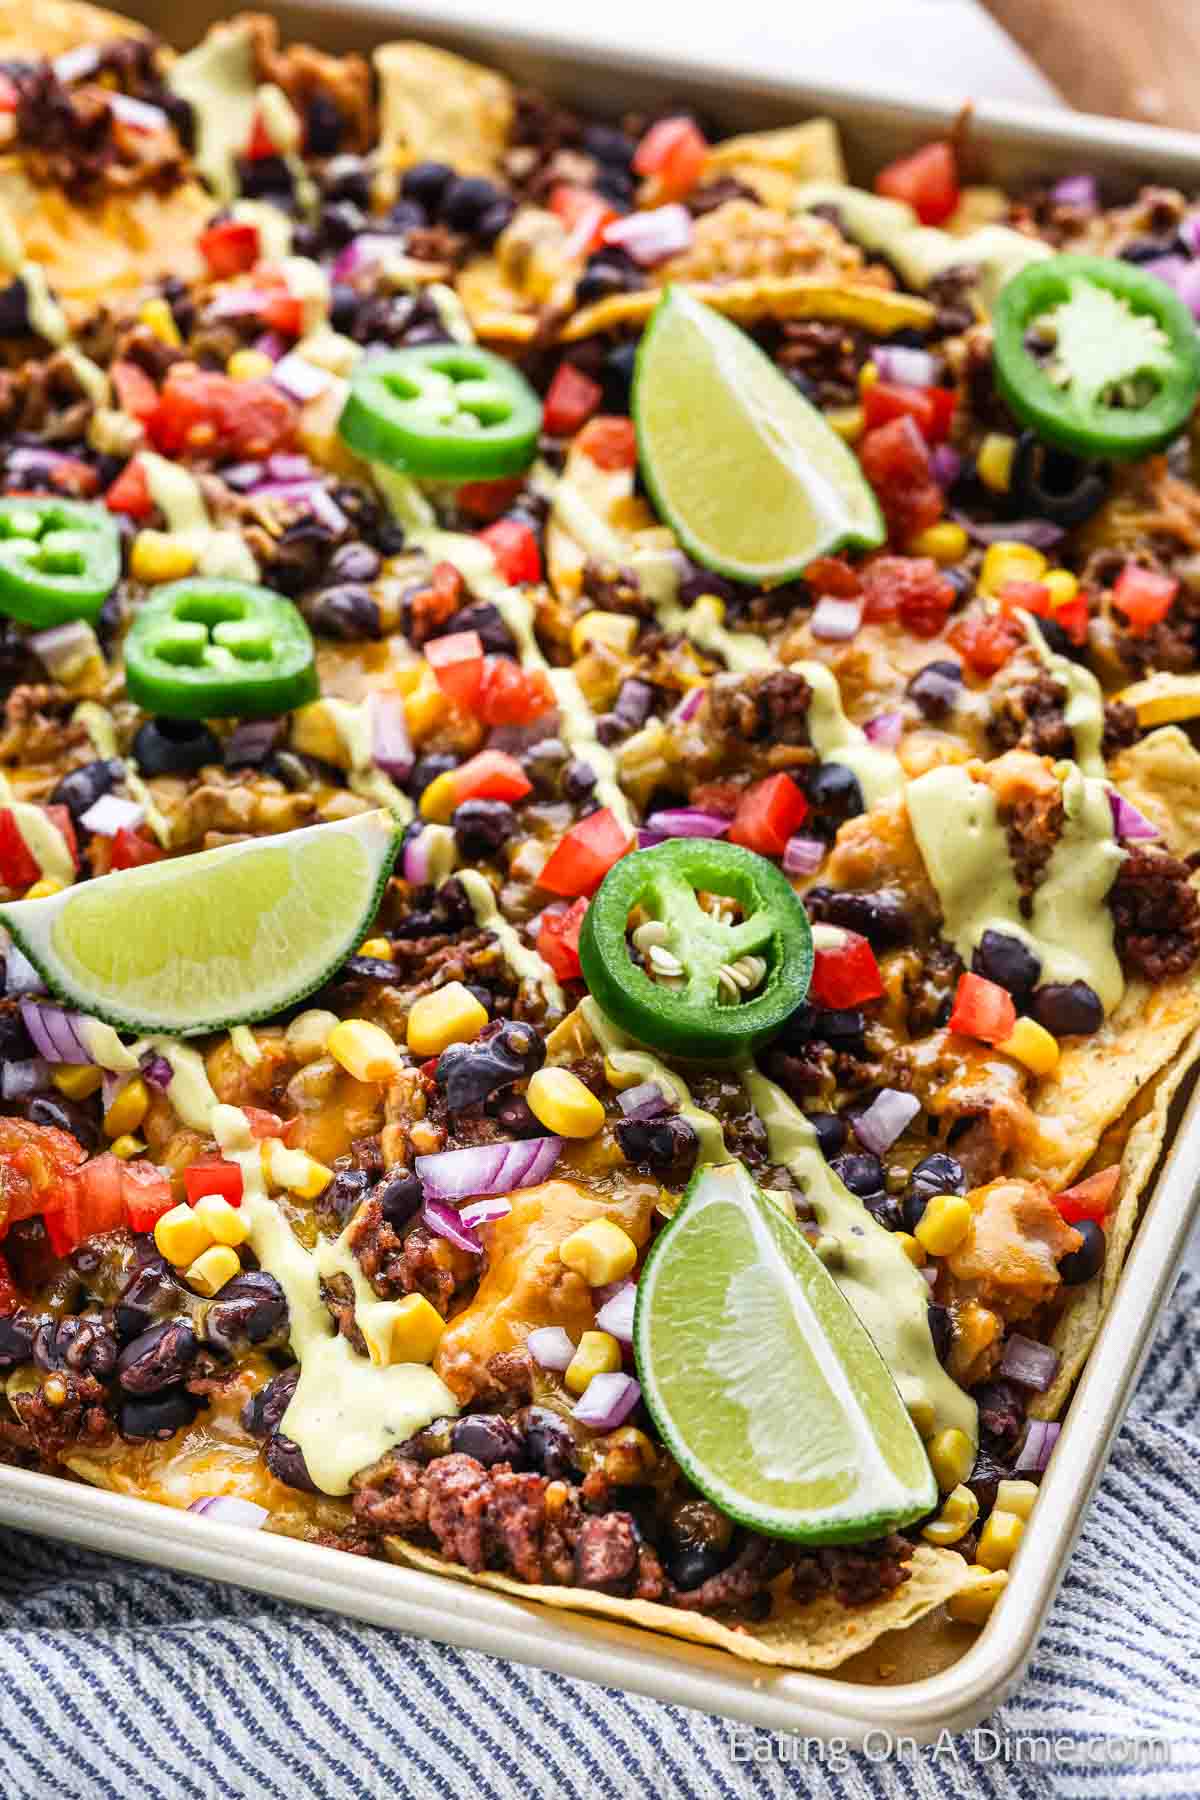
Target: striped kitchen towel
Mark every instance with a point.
(127, 1682)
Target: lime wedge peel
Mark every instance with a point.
(199, 943)
(749, 475)
(762, 1381)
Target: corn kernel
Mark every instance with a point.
(564, 1104)
(128, 1109)
(1031, 1044)
(440, 797)
(868, 375)
(308, 1033)
(249, 365)
(225, 1224)
(379, 948)
(315, 733)
(417, 1329)
(923, 1417)
(960, 1509)
(1016, 1497)
(160, 556)
(847, 421)
(614, 630)
(912, 1249)
(999, 1539)
(43, 888)
(946, 543)
(1009, 561)
(425, 1139)
(450, 1015)
(629, 1456)
(600, 1251)
(180, 1236)
(212, 1269)
(127, 1146)
(1061, 585)
(972, 1605)
(944, 1224)
(364, 1050)
(157, 317)
(294, 1170)
(620, 1078)
(994, 462)
(425, 705)
(950, 1457)
(598, 1354)
(77, 1080)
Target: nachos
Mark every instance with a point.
(597, 823)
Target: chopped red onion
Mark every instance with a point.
(238, 303)
(251, 742)
(616, 1315)
(24, 461)
(1040, 534)
(20, 976)
(300, 378)
(1189, 233)
(290, 465)
(1029, 1363)
(888, 1115)
(53, 1031)
(140, 115)
(414, 863)
(651, 237)
(445, 1221)
(1180, 274)
(550, 1347)
(930, 1273)
(689, 706)
(607, 1401)
(110, 814)
(946, 464)
(228, 1509)
(1076, 190)
(323, 506)
(272, 344)
(645, 1101)
(912, 368)
(487, 1168)
(77, 64)
(938, 686)
(64, 646)
(835, 621)
(297, 492)
(20, 1079)
(391, 746)
(647, 840)
(485, 1212)
(804, 855)
(885, 729)
(241, 477)
(1039, 1442)
(368, 248)
(1128, 822)
(156, 1069)
(688, 821)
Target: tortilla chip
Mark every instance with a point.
(817, 1636)
(1162, 698)
(1161, 775)
(438, 107)
(876, 309)
(52, 26)
(773, 163)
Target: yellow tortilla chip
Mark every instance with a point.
(817, 1636)
(438, 107)
(877, 309)
(773, 163)
(1162, 698)
(1161, 775)
(50, 27)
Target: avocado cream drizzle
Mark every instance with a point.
(97, 721)
(889, 1295)
(219, 81)
(1084, 711)
(964, 845)
(177, 494)
(630, 1059)
(40, 835)
(525, 963)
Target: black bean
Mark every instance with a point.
(1080, 1265)
(80, 790)
(880, 917)
(1147, 249)
(493, 220)
(341, 221)
(247, 1310)
(605, 275)
(264, 1410)
(158, 1416)
(470, 1073)
(174, 747)
(482, 828)
(516, 1117)
(694, 1564)
(861, 1172)
(151, 1289)
(259, 176)
(323, 126)
(635, 703)
(77, 1117)
(14, 310)
(578, 780)
(17, 1331)
(347, 178)
(833, 789)
(286, 1463)
(488, 621)
(427, 1445)
(841, 1027)
(549, 1445)
(658, 1143)
(158, 1358)
(16, 1045)
(343, 307)
(608, 144)
(1009, 962)
(941, 1330)
(400, 1198)
(927, 689)
(345, 1192)
(489, 1438)
(1068, 1009)
(466, 200)
(426, 183)
(1001, 1416)
(985, 1479)
(88, 1346)
(939, 1173)
(355, 562)
(427, 769)
(831, 1133)
(347, 612)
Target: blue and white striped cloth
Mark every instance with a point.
(127, 1682)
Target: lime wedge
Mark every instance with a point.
(201, 942)
(761, 1380)
(753, 481)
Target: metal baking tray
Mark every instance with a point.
(1010, 144)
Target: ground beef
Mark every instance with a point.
(761, 708)
(37, 727)
(1156, 915)
(759, 1561)
(929, 988)
(856, 1573)
(50, 1430)
(1031, 716)
(606, 1553)
(420, 1262)
(951, 292)
(1033, 828)
(824, 359)
(1121, 728)
(338, 1294)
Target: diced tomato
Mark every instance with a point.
(212, 1174)
(927, 181)
(582, 858)
(9, 1297)
(1144, 596)
(130, 850)
(69, 475)
(488, 499)
(909, 588)
(511, 695)
(558, 938)
(833, 575)
(263, 1124)
(18, 866)
(491, 775)
(986, 640)
(768, 814)
(205, 413)
(584, 213)
(983, 1010)
(61, 816)
(87, 1202)
(130, 492)
(230, 248)
(10, 94)
(675, 152)
(135, 391)
(571, 399)
(457, 661)
(1073, 617)
(609, 441)
(261, 144)
(35, 1162)
(515, 549)
(846, 975)
(932, 408)
(895, 460)
(146, 1191)
(283, 312)
(1025, 596)
(1089, 1199)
